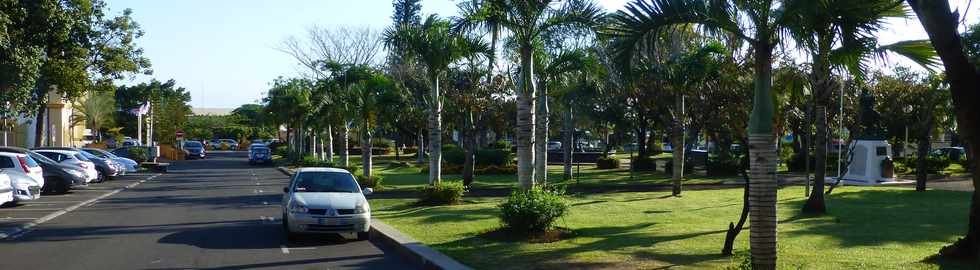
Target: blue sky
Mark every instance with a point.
(223, 51)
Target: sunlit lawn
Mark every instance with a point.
(868, 228)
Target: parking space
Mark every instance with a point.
(14, 217)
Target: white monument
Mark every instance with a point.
(866, 167)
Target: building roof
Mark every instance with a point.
(211, 111)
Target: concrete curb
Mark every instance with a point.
(406, 246)
(415, 251)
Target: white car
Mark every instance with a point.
(74, 159)
(325, 200)
(26, 176)
(6, 190)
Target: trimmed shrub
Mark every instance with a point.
(445, 192)
(138, 154)
(607, 163)
(374, 182)
(492, 169)
(936, 164)
(410, 150)
(501, 144)
(533, 210)
(718, 167)
(669, 167)
(494, 157)
(643, 164)
(281, 151)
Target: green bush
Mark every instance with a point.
(501, 144)
(138, 154)
(410, 150)
(936, 164)
(312, 161)
(382, 143)
(282, 151)
(605, 163)
(533, 210)
(374, 182)
(494, 157)
(445, 192)
(718, 167)
(496, 170)
(643, 164)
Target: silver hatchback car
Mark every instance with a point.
(325, 200)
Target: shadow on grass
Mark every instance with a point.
(486, 253)
(878, 217)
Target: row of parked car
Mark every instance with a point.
(26, 174)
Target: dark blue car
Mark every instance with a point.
(194, 150)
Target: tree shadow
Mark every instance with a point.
(876, 217)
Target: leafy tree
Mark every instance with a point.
(288, 102)
(128, 98)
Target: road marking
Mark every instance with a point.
(31, 209)
(24, 229)
(18, 218)
(285, 250)
(50, 202)
(265, 203)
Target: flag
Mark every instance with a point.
(143, 109)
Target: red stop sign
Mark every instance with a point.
(180, 134)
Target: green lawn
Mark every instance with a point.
(868, 228)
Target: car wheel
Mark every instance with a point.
(363, 236)
(290, 236)
(99, 177)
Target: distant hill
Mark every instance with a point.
(211, 111)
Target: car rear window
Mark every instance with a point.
(82, 157)
(6, 162)
(192, 144)
(54, 156)
(94, 152)
(41, 158)
(30, 162)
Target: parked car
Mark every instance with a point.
(130, 142)
(106, 168)
(258, 141)
(194, 150)
(232, 144)
(58, 178)
(259, 154)
(6, 190)
(74, 159)
(952, 153)
(554, 146)
(26, 176)
(325, 200)
(214, 144)
(127, 165)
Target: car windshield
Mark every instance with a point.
(192, 144)
(87, 155)
(325, 182)
(82, 157)
(95, 152)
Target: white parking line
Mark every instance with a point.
(285, 250)
(25, 228)
(17, 218)
(30, 209)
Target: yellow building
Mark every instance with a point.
(60, 131)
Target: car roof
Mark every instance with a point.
(10, 149)
(63, 152)
(7, 154)
(321, 169)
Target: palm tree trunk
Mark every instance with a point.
(435, 135)
(421, 147)
(815, 203)
(525, 121)
(762, 154)
(677, 139)
(541, 137)
(469, 149)
(344, 145)
(329, 143)
(567, 141)
(366, 148)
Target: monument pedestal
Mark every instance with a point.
(866, 167)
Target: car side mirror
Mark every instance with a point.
(367, 191)
(285, 190)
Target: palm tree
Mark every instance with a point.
(646, 19)
(574, 75)
(288, 102)
(436, 47)
(527, 20)
(95, 111)
(841, 34)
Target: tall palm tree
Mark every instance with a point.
(436, 47)
(574, 74)
(527, 20)
(646, 19)
(841, 34)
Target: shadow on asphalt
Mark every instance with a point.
(246, 235)
(369, 264)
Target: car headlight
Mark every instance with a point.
(76, 173)
(362, 208)
(298, 208)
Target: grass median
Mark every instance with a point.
(867, 228)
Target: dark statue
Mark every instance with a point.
(869, 123)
